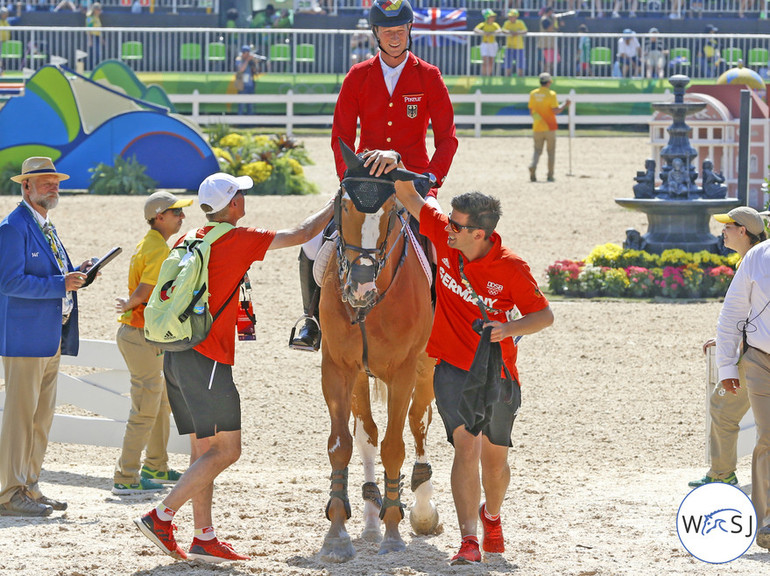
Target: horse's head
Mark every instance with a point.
(363, 248)
(366, 214)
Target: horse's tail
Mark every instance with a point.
(378, 391)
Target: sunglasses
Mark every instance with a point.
(175, 211)
(458, 227)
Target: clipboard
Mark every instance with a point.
(94, 270)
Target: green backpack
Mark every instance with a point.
(177, 315)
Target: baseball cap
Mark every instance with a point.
(544, 77)
(513, 12)
(744, 216)
(653, 31)
(488, 13)
(245, 48)
(217, 190)
(160, 202)
(628, 32)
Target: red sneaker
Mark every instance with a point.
(468, 554)
(160, 533)
(213, 551)
(493, 533)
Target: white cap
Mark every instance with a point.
(218, 189)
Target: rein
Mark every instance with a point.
(379, 258)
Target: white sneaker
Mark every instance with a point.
(615, 14)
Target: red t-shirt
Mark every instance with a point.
(500, 277)
(230, 258)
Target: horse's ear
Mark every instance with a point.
(351, 160)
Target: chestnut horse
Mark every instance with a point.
(376, 315)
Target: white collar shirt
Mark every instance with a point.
(391, 75)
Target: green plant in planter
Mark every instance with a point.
(8, 187)
(125, 177)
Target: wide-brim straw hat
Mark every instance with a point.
(38, 166)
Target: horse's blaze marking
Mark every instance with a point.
(370, 232)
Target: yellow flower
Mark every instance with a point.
(259, 171)
(233, 140)
(221, 154)
(296, 167)
(261, 141)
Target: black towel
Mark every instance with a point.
(484, 386)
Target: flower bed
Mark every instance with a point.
(611, 270)
(273, 162)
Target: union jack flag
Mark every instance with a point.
(439, 20)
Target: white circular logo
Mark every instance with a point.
(716, 523)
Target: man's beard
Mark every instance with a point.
(49, 203)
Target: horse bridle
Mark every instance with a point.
(377, 256)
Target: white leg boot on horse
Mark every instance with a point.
(366, 436)
(423, 515)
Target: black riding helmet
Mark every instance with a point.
(391, 13)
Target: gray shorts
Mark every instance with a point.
(201, 393)
(448, 383)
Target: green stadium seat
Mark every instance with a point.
(280, 53)
(758, 57)
(190, 51)
(600, 60)
(132, 51)
(475, 54)
(681, 53)
(732, 56)
(216, 52)
(305, 53)
(11, 49)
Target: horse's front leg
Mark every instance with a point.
(423, 515)
(400, 390)
(338, 388)
(365, 432)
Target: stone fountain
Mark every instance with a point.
(678, 211)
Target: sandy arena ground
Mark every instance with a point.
(610, 431)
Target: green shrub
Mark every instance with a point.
(7, 186)
(125, 177)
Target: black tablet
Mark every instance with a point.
(94, 270)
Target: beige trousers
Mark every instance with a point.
(726, 413)
(754, 369)
(148, 419)
(30, 400)
(547, 138)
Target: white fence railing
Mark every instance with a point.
(104, 392)
(296, 51)
(478, 120)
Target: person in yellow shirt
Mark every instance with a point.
(514, 44)
(488, 30)
(147, 427)
(94, 26)
(544, 107)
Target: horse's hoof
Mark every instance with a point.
(392, 545)
(426, 523)
(337, 550)
(372, 534)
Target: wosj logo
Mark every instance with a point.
(716, 523)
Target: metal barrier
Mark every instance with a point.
(676, 9)
(298, 51)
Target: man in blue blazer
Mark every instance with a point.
(38, 323)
